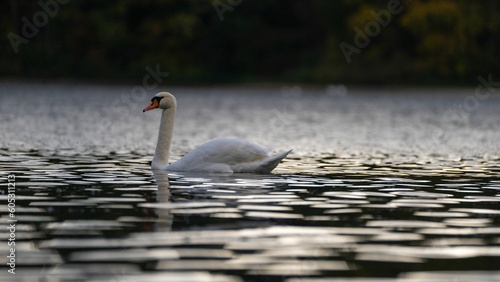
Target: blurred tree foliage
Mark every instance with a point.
(218, 41)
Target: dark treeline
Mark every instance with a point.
(219, 41)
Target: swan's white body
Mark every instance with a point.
(228, 155)
(225, 155)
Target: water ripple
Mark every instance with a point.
(99, 218)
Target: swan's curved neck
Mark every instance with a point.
(160, 159)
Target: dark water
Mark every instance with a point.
(399, 206)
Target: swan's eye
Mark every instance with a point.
(157, 99)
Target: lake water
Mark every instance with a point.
(394, 184)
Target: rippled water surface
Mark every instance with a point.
(380, 185)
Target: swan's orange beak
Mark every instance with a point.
(154, 104)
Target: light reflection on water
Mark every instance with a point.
(108, 218)
(368, 191)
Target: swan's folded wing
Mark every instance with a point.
(232, 151)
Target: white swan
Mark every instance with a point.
(225, 155)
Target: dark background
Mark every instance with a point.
(244, 41)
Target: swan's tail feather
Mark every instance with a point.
(268, 164)
(262, 166)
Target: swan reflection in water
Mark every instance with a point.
(165, 217)
(236, 181)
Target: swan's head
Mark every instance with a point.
(162, 100)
